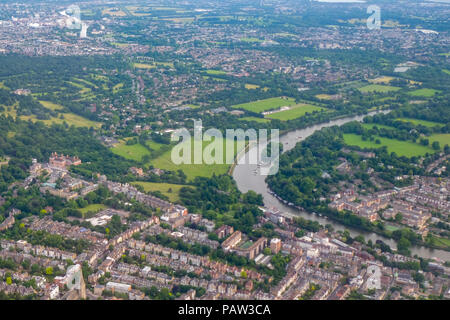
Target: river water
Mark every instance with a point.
(247, 179)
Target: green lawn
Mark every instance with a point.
(196, 170)
(153, 145)
(424, 123)
(117, 87)
(260, 120)
(246, 244)
(69, 118)
(251, 40)
(424, 93)
(266, 104)
(378, 88)
(441, 242)
(391, 228)
(92, 208)
(443, 139)
(216, 72)
(173, 196)
(401, 148)
(51, 105)
(83, 89)
(143, 65)
(297, 111)
(250, 86)
(132, 152)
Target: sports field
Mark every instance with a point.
(266, 104)
(427, 93)
(297, 111)
(172, 191)
(401, 148)
(132, 152)
(372, 88)
(196, 170)
(92, 208)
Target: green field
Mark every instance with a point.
(117, 87)
(371, 125)
(266, 104)
(92, 208)
(424, 93)
(378, 88)
(401, 148)
(51, 105)
(391, 228)
(251, 40)
(424, 123)
(83, 89)
(164, 188)
(153, 145)
(195, 170)
(324, 96)
(250, 86)
(246, 244)
(69, 118)
(133, 152)
(260, 120)
(297, 111)
(443, 139)
(143, 65)
(216, 72)
(441, 242)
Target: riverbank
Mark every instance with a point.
(246, 180)
(384, 233)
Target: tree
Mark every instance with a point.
(403, 245)
(360, 238)
(435, 145)
(49, 271)
(418, 277)
(9, 281)
(398, 217)
(307, 185)
(35, 268)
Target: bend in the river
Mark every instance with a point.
(247, 179)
